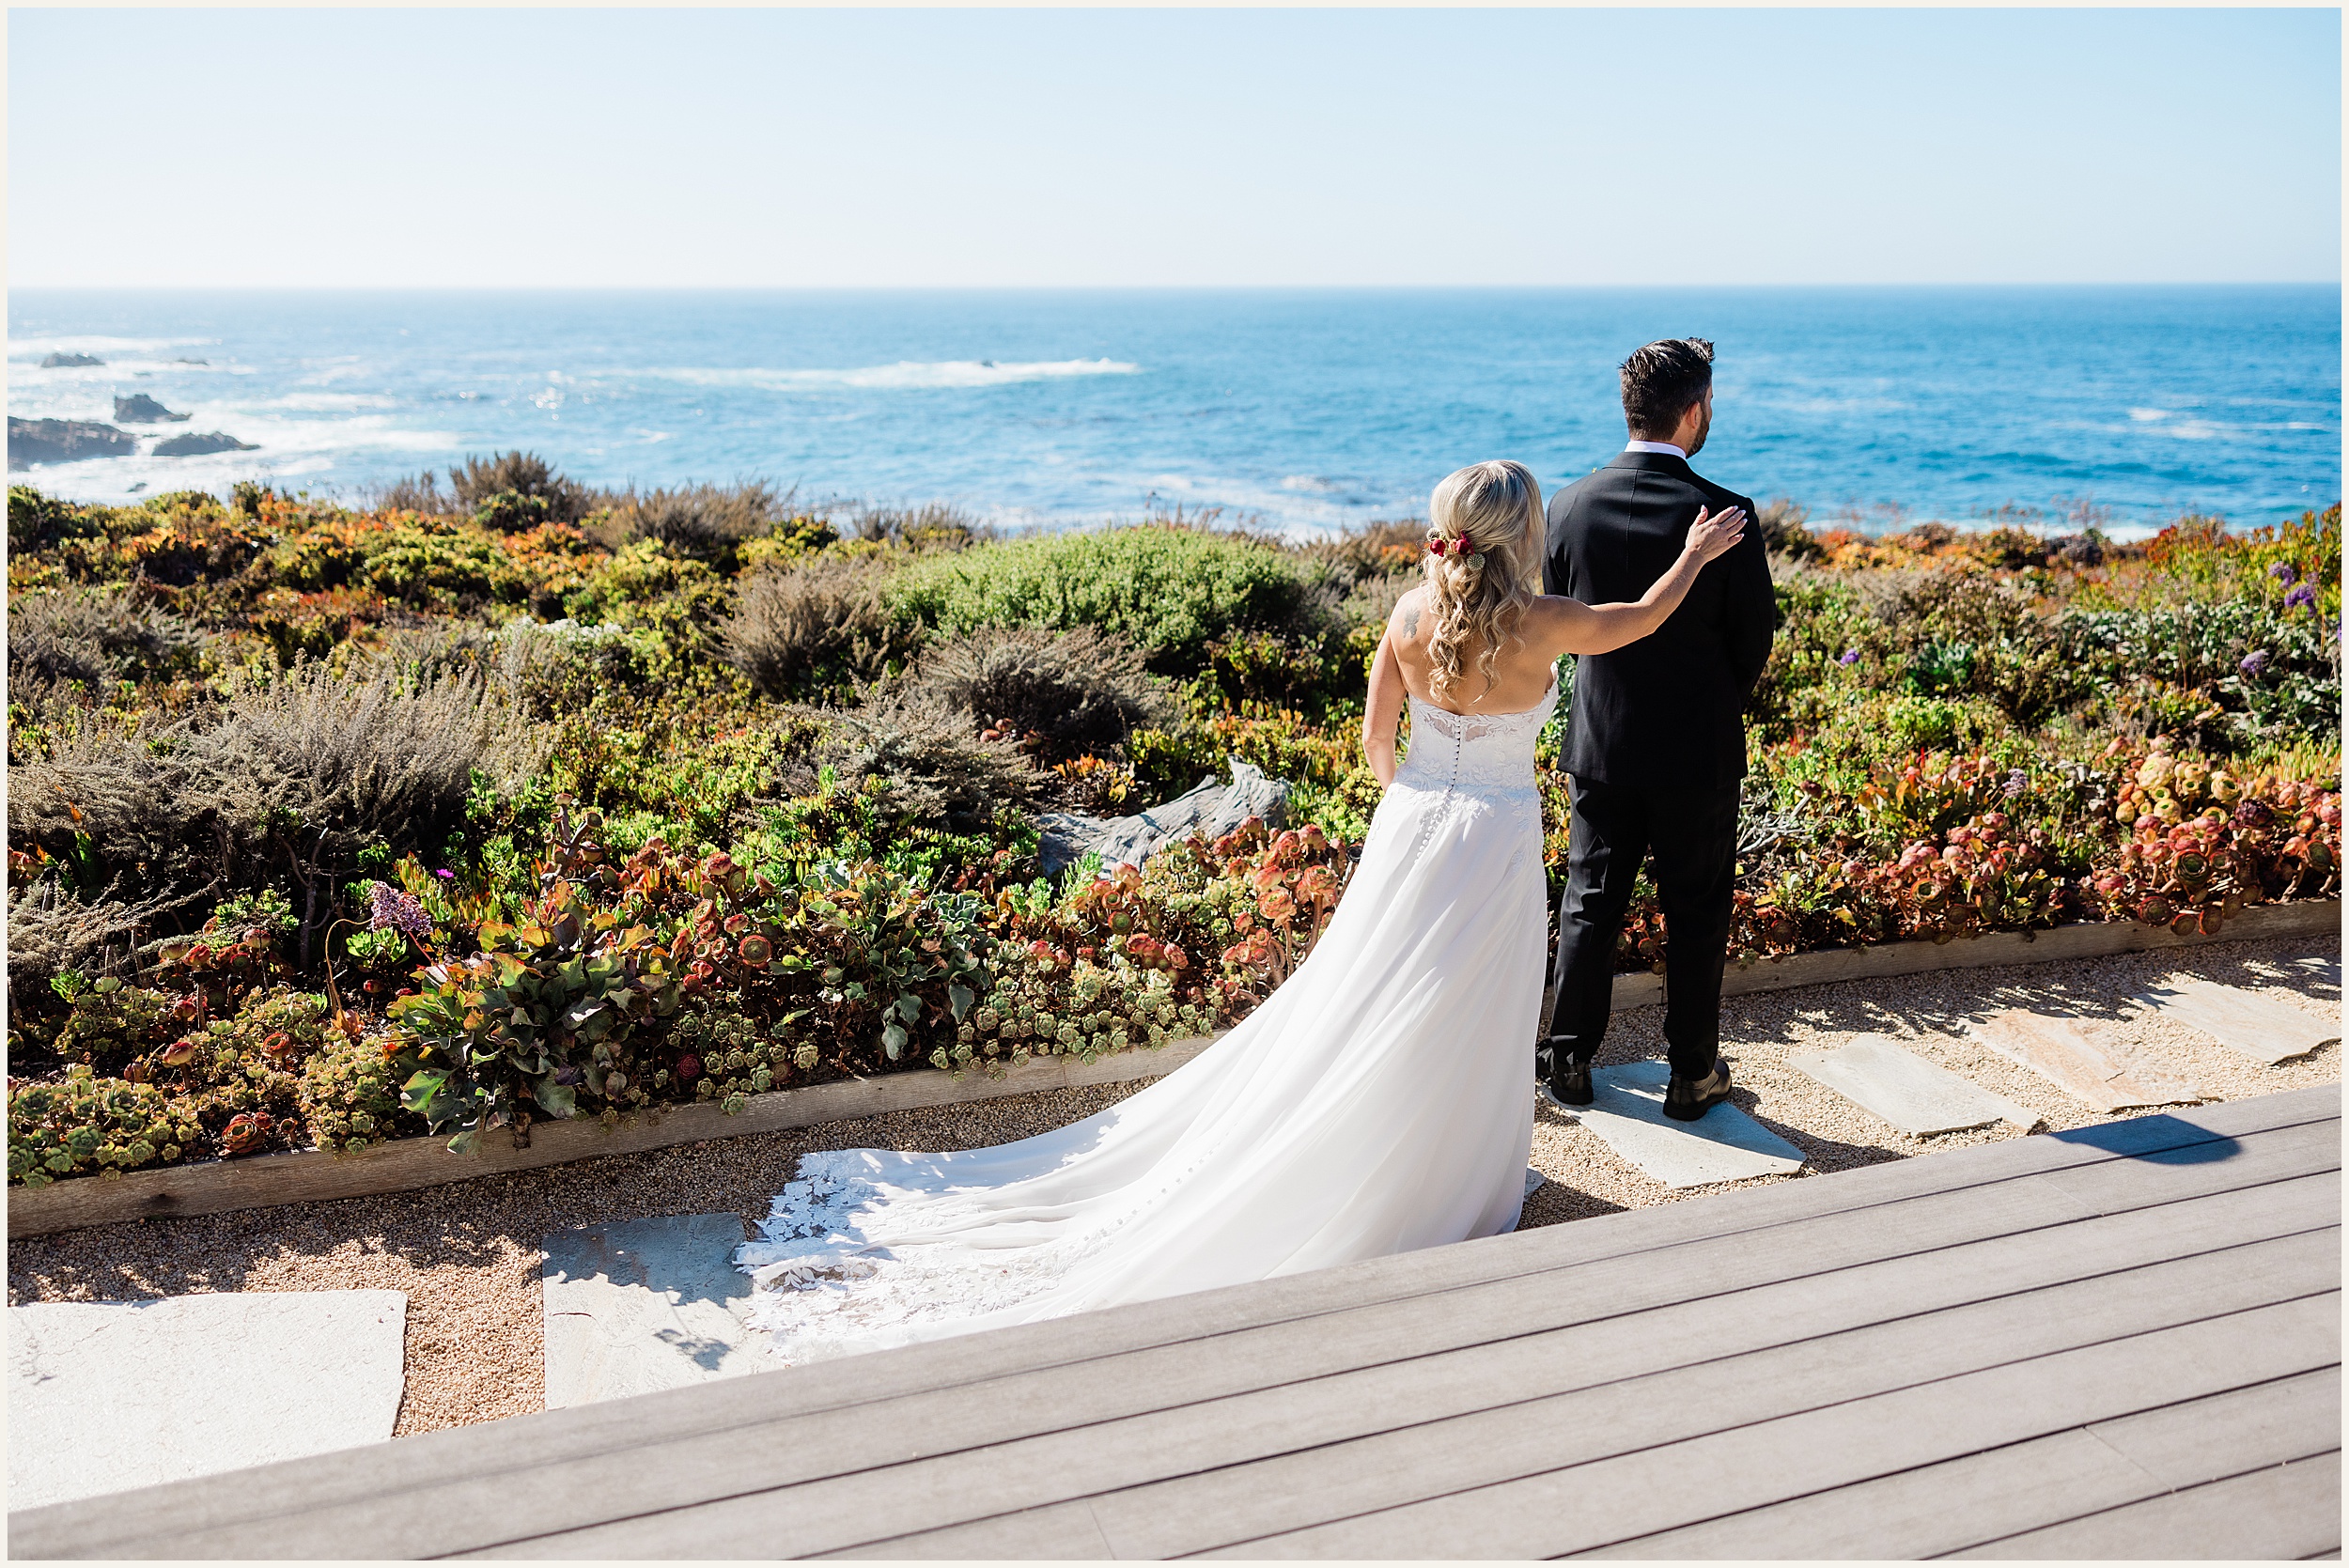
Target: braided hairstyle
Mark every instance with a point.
(1483, 556)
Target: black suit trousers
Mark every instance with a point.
(1692, 835)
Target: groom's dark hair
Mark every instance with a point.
(1661, 381)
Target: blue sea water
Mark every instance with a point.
(1299, 410)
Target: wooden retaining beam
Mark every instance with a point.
(313, 1177)
(2268, 922)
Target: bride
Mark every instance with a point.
(1376, 1103)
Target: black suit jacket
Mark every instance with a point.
(1670, 708)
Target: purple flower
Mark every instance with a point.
(447, 876)
(2304, 593)
(2015, 783)
(2281, 571)
(390, 910)
(1851, 655)
(2255, 662)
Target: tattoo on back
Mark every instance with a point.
(1411, 620)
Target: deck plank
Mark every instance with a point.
(2286, 1511)
(1563, 1510)
(1622, 1382)
(1947, 1507)
(538, 1475)
(1282, 1355)
(1182, 1513)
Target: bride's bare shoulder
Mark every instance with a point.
(1413, 618)
(1549, 610)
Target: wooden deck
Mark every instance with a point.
(2123, 1341)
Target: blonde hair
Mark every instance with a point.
(1482, 588)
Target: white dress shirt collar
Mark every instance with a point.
(1655, 446)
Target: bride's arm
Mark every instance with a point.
(1568, 626)
(1382, 710)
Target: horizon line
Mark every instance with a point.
(1132, 288)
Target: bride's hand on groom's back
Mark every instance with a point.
(1711, 537)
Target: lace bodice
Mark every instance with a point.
(1484, 754)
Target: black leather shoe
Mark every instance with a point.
(1687, 1098)
(1570, 1084)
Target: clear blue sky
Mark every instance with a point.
(762, 148)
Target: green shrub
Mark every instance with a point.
(94, 638)
(706, 522)
(438, 564)
(83, 1123)
(38, 521)
(816, 626)
(1829, 649)
(1169, 591)
(522, 474)
(288, 777)
(1079, 691)
(1962, 632)
(932, 527)
(674, 610)
(918, 760)
(2227, 674)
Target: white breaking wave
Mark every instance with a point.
(317, 402)
(285, 449)
(904, 375)
(41, 348)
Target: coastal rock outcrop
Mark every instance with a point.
(197, 446)
(70, 361)
(1210, 810)
(64, 441)
(139, 409)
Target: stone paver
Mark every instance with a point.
(2068, 1056)
(1725, 1145)
(1913, 1094)
(641, 1305)
(2262, 1027)
(108, 1396)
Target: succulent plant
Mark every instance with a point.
(83, 1125)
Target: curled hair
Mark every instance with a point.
(1482, 589)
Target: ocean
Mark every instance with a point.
(1290, 409)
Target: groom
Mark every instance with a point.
(1656, 743)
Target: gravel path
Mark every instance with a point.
(467, 1255)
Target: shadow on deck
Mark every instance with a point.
(2121, 1341)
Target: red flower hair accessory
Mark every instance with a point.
(1458, 547)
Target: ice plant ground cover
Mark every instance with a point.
(520, 801)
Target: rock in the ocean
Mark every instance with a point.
(70, 361)
(64, 441)
(1211, 810)
(139, 409)
(196, 446)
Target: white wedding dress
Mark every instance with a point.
(1381, 1100)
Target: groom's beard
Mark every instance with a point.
(1704, 427)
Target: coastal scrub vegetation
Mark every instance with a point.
(506, 799)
